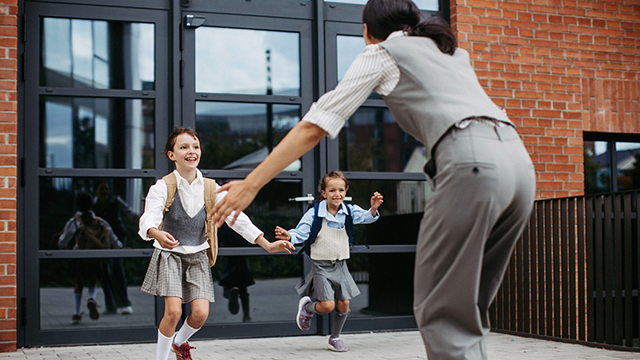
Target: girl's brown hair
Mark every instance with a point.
(335, 174)
(177, 131)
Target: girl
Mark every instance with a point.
(329, 278)
(482, 176)
(179, 267)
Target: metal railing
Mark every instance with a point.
(575, 273)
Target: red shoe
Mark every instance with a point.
(183, 352)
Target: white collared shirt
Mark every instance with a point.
(374, 69)
(192, 198)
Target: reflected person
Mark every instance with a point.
(86, 231)
(114, 280)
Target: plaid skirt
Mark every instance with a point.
(328, 280)
(187, 276)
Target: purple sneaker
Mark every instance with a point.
(303, 319)
(335, 344)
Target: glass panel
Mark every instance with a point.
(97, 54)
(118, 286)
(268, 279)
(241, 135)
(118, 201)
(262, 282)
(422, 4)
(628, 172)
(382, 292)
(348, 49)
(97, 133)
(404, 203)
(597, 167)
(240, 61)
(373, 141)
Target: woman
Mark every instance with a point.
(481, 173)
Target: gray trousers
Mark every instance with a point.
(483, 197)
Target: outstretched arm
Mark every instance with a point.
(302, 138)
(276, 246)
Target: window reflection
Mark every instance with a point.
(628, 171)
(116, 200)
(259, 281)
(348, 48)
(373, 141)
(421, 4)
(97, 133)
(241, 135)
(597, 163)
(97, 54)
(239, 61)
(57, 281)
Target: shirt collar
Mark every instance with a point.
(322, 209)
(396, 33)
(180, 180)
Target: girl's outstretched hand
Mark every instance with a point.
(282, 234)
(281, 245)
(239, 196)
(376, 201)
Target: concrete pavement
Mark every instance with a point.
(363, 346)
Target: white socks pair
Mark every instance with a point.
(164, 343)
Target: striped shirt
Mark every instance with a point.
(373, 70)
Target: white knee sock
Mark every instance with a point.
(163, 347)
(184, 334)
(93, 292)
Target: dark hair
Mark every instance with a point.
(386, 16)
(335, 174)
(84, 202)
(177, 131)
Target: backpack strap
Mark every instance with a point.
(172, 185)
(211, 228)
(316, 225)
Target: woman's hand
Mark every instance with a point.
(239, 196)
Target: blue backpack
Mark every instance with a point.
(316, 225)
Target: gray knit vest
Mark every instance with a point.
(187, 230)
(435, 90)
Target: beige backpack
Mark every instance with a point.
(209, 201)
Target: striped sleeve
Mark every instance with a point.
(372, 70)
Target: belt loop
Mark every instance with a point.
(497, 129)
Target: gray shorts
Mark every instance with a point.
(187, 276)
(328, 281)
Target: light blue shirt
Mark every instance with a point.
(360, 216)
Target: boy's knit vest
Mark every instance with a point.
(209, 202)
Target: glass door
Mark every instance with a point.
(95, 109)
(247, 81)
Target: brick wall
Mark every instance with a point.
(8, 161)
(560, 67)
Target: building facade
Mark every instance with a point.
(92, 88)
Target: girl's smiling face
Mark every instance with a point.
(334, 192)
(186, 152)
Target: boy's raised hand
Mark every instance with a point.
(282, 234)
(376, 201)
